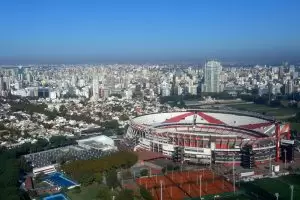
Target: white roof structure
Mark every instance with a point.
(99, 142)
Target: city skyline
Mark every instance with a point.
(152, 31)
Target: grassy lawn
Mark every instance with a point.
(296, 126)
(238, 197)
(271, 111)
(281, 185)
(87, 193)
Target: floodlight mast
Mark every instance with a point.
(277, 133)
(233, 174)
(292, 192)
(277, 196)
(285, 158)
(161, 191)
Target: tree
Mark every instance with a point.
(117, 108)
(104, 193)
(145, 193)
(144, 172)
(77, 190)
(112, 124)
(116, 160)
(176, 168)
(24, 165)
(124, 117)
(86, 179)
(63, 110)
(112, 179)
(125, 194)
(254, 91)
(116, 95)
(98, 177)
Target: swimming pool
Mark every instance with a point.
(56, 197)
(60, 180)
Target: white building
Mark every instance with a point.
(95, 88)
(165, 89)
(212, 72)
(101, 142)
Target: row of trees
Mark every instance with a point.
(12, 168)
(43, 144)
(112, 162)
(103, 172)
(105, 191)
(9, 171)
(30, 108)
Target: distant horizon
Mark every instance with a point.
(78, 31)
(263, 59)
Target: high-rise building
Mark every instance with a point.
(212, 72)
(95, 88)
(1, 84)
(289, 87)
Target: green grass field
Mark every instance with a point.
(238, 197)
(280, 185)
(295, 126)
(264, 109)
(87, 193)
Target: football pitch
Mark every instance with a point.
(264, 109)
(269, 186)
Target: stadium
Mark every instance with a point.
(210, 136)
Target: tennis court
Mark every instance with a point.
(186, 184)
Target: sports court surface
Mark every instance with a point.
(60, 180)
(55, 197)
(186, 184)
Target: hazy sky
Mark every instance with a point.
(150, 30)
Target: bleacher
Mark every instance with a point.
(53, 156)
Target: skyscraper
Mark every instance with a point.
(1, 84)
(212, 72)
(95, 88)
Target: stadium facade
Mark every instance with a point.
(210, 136)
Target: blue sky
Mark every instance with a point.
(142, 29)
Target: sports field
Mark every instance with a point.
(267, 110)
(180, 185)
(269, 186)
(86, 193)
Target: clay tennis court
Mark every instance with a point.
(180, 185)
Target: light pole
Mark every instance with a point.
(277, 196)
(270, 164)
(161, 194)
(223, 183)
(292, 192)
(284, 158)
(200, 178)
(233, 174)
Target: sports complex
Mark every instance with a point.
(185, 185)
(210, 136)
